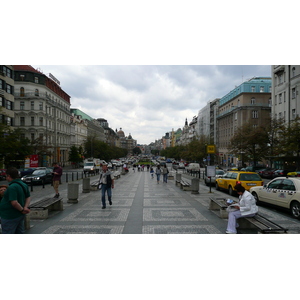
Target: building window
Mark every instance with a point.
(293, 93)
(41, 105)
(22, 105)
(280, 78)
(36, 93)
(270, 102)
(293, 72)
(280, 98)
(8, 89)
(8, 105)
(293, 114)
(32, 137)
(32, 121)
(253, 89)
(22, 92)
(8, 121)
(22, 136)
(36, 79)
(254, 114)
(1, 101)
(32, 105)
(262, 89)
(22, 121)
(252, 101)
(41, 121)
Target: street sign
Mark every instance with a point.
(210, 149)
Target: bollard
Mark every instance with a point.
(86, 185)
(73, 191)
(178, 179)
(195, 185)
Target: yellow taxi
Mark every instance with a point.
(230, 179)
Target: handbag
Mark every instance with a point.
(99, 187)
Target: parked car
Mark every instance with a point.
(282, 172)
(212, 179)
(294, 174)
(267, 173)
(254, 169)
(230, 179)
(25, 171)
(281, 191)
(2, 174)
(39, 176)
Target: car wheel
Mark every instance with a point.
(295, 209)
(217, 187)
(230, 190)
(256, 198)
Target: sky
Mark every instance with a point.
(147, 101)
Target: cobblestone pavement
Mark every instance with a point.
(141, 206)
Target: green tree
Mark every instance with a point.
(74, 155)
(136, 151)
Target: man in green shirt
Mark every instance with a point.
(14, 204)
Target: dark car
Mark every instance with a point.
(26, 171)
(39, 176)
(282, 172)
(268, 173)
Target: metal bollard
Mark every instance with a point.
(178, 179)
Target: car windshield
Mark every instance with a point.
(249, 177)
(39, 172)
(219, 172)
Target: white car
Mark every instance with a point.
(281, 191)
(212, 180)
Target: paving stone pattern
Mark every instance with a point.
(140, 206)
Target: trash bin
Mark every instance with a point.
(86, 185)
(195, 185)
(73, 192)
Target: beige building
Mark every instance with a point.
(249, 102)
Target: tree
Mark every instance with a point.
(251, 142)
(74, 155)
(136, 151)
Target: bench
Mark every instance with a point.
(220, 205)
(261, 223)
(184, 185)
(40, 209)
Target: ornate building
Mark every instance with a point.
(126, 142)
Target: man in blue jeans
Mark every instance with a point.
(14, 204)
(107, 180)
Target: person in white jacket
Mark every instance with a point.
(247, 208)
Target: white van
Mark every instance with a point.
(193, 167)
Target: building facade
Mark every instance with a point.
(249, 102)
(42, 112)
(285, 91)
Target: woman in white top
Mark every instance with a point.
(247, 208)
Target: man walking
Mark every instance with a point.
(107, 180)
(57, 172)
(14, 204)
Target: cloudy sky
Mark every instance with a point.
(147, 101)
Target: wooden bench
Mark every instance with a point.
(261, 223)
(184, 185)
(40, 209)
(220, 205)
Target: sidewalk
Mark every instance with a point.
(140, 206)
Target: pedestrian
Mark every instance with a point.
(158, 173)
(14, 204)
(57, 172)
(152, 172)
(165, 172)
(245, 208)
(139, 168)
(107, 180)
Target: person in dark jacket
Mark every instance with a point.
(57, 172)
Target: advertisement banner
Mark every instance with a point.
(34, 161)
